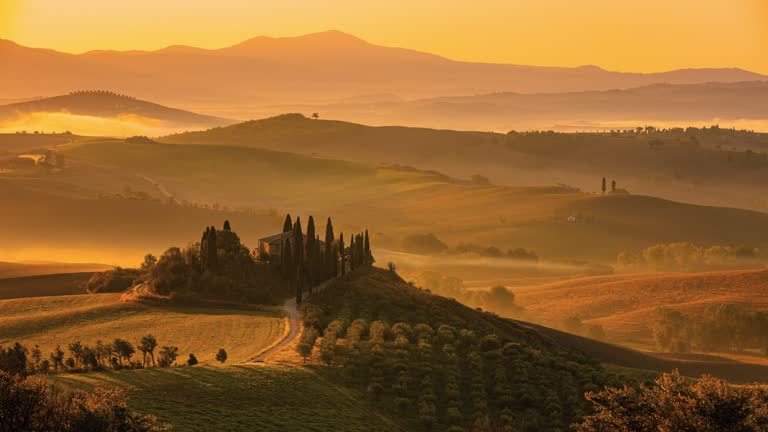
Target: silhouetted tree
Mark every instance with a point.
(288, 224)
(329, 255)
(192, 360)
(310, 237)
(221, 356)
(147, 347)
(604, 185)
(368, 254)
(298, 243)
(613, 185)
(204, 249)
(213, 258)
(167, 356)
(341, 254)
(352, 254)
(227, 227)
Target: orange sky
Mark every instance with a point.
(627, 35)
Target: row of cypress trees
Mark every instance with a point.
(306, 263)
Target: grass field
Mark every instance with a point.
(44, 285)
(624, 304)
(52, 321)
(239, 398)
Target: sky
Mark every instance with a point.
(625, 35)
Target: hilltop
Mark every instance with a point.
(322, 66)
(108, 105)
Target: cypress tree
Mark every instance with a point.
(352, 257)
(204, 250)
(310, 238)
(360, 254)
(368, 255)
(329, 237)
(213, 258)
(341, 253)
(287, 261)
(603, 185)
(288, 224)
(298, 243)
(613, 185)
(227, 227)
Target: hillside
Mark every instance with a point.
(718, 167)
(148, 196)
(737, 104)
(625, 304)
(43, 285)
(61, 320)
(240, 398)
(315, 67)
(101, 112)
(23, 269)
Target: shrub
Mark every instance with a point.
(221, 356)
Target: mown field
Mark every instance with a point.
(60, 320)
(625, 304)
(239, 398)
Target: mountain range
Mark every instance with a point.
(320, 67)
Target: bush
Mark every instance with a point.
(192, 360)
(221, 356)
(673, 403)
(32, 404)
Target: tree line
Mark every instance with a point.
(305, 263)
(721, 327)
(687, 257)
(118, 354)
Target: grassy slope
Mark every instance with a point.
(389, 298)
(44, 285)
(240, 398)
(15, 269)
(624, 304)
(397, 202)
(52, 321)
(702, 175)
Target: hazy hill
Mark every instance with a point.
(109, 105)
(393, 201)
(738, 103)
(722, 167)
(317, 67)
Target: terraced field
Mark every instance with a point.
(60, 320)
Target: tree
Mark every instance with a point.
(330, 256)
(286, 263)
(168, 356)
(212, 253)
(149, 263)
(310, 238)
(221, 356)
(13, 360)
(57, 358)
(613, 185)
(123, 350)
(298, 243)
(674, 403)
(227, 227)
(288, 224)
(204, 249)
(603, 185)
(192, 360)
(315, 115)
(147, 347)
(341, 254)
(352, 253)
(368, 255)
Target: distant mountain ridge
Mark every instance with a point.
(109, 105)
(317, 67)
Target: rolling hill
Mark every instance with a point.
(625, 304)
(721, 168)
(323, 66)
(81, 111)
(736, 104)
(149, 196)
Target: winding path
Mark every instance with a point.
(294, 324)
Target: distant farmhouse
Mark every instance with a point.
(272, 246)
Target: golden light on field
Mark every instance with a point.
(648, 35)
